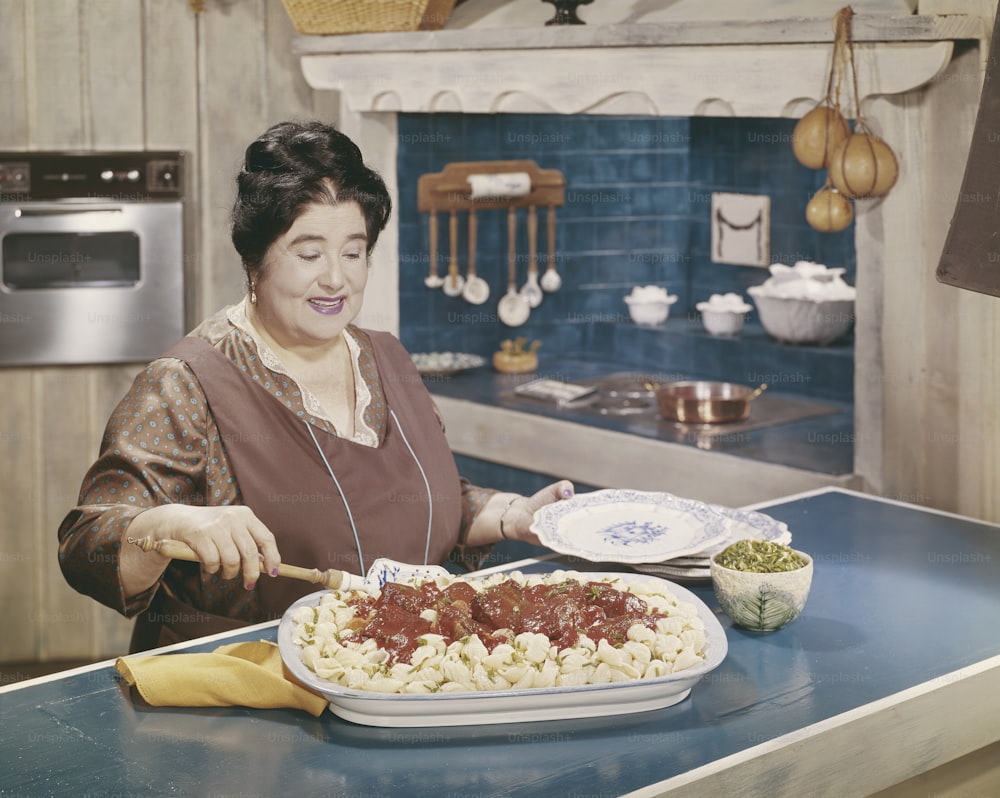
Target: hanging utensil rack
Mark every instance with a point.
(449, 191)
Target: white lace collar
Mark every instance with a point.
(363, 434)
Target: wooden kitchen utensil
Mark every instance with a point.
(476, 290)
(551, 281)
(177, 550)
(451, 190)
(433, 279)
(513, 308)
(454, 282)
(530, 290)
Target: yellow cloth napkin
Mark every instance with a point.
(239, 674)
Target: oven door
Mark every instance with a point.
(90, 282)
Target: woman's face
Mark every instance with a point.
(313, 280)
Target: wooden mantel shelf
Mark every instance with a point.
(796, 30)
(772, 68)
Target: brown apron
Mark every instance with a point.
(314, 491)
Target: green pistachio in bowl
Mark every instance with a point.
(761, 585)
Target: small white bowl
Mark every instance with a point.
(723, 322)
(762, 602)
(648, 313)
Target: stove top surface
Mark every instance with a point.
(631, 395)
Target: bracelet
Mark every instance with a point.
(503, 516)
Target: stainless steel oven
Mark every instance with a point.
(91, 256)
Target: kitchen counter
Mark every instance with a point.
(898, 642)
(737, 465)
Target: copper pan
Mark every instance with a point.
(706, 402)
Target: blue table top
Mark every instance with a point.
(901, 597)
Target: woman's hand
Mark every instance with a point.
(228, 540)
(519, 512)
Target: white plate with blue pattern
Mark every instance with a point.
(749, 525)
(629, 526)
(743, 525)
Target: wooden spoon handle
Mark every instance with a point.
(177, 550)
(532, 240)
(511, 242)
(453, 246)
(551, 236)
(432, 270)
(473, 232)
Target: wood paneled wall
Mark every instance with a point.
(926, 395)
(120, 74)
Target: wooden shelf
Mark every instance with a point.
(795, 30)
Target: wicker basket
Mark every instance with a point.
(323, 17)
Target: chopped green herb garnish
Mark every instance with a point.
(759, 556)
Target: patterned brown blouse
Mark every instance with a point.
(162, 445)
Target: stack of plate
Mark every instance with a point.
(655, 533)
(444, 364)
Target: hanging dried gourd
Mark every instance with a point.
(829, 211)
(817, 134)
(823, 128)
(860, 165)
(863, 166)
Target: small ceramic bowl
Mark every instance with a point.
(724, 314)
(649, 313)
(722, 322)
(762, 602)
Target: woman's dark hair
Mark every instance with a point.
(292, 165)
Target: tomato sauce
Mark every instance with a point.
(561, 611)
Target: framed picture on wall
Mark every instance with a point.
(741, 229)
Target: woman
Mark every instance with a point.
(277, 430)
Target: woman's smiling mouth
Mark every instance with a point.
(328, 305)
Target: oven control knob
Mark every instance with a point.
(133, 175)
(15, 177)
(164, 175)
(107, 175)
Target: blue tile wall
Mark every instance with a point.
(638, 198)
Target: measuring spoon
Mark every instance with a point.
(513, 308)
(551, 281)
(454, 282)
(530, 289)
(433, 279)
(476, 290)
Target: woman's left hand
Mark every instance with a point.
(516, 519)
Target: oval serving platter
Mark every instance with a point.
(510, 706)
